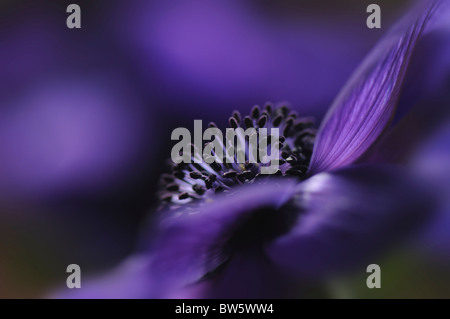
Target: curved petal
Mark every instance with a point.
(248, 275)
(187, 252)
(424, 100)
(349, 216)
(189, 247)
(396, 144)
(367, 103)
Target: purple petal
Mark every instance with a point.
(247, 275)
(190, 246)
(424, 101)
(396, 145)
(432, 163)
(130, 280)
(349, 216)
(367, 103)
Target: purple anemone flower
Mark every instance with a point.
(323, 213)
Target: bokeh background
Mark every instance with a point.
(86, 116)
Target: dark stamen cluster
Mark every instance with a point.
(189, 182)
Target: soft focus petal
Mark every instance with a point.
(130, 280)
(367, 103)
(424, 101)
(396, 145)
(349, 216)
(432, 163)
(190, 246)
(428, 77)
(246, 275)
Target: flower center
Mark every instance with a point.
(190, 182)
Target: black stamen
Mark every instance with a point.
(195, 175)
(287, 131)
(208, 183)
(167, 178)
(255, 112)
(166, 197)
(219, 189)
(229, 174)
(183, 195)
(284, 154)
(216, 166)
(198, 189)
(262, 121)
(237, 116)
(179, 174)
(294, 172)
(233, 123)
(172, 187)
(277, 120)
(295, 144)
(284, 110)
(248, 122)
